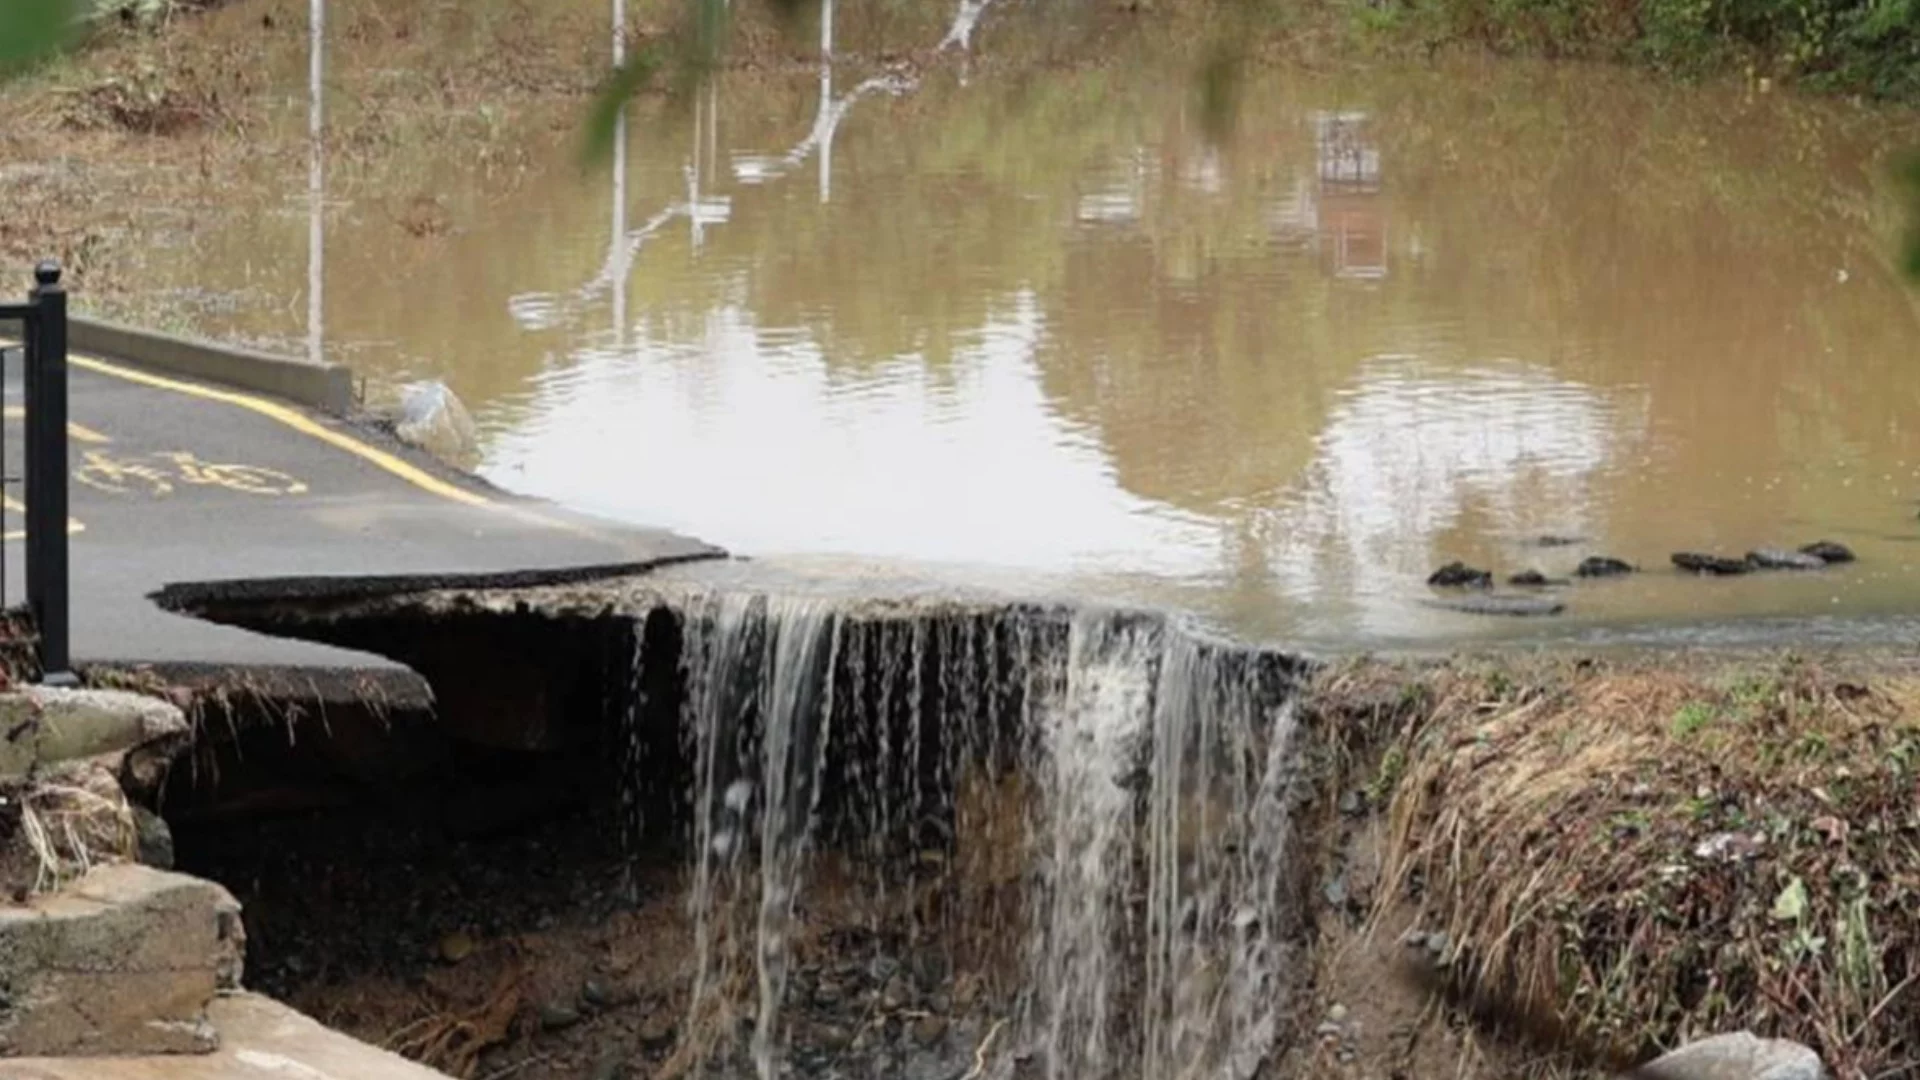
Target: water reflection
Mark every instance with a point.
(1041, 322)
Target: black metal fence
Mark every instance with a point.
(42, 413)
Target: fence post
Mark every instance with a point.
(46, 439)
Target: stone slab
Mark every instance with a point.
(260, 1039)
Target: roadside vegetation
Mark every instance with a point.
(1658, 849)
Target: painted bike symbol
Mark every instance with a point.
(120, 477)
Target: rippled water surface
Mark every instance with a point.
(1034, 322)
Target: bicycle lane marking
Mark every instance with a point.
(300, 422)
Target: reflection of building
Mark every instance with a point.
(1352, 221)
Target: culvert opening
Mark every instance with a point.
(777, 833)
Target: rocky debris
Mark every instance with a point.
(555, 1015)
(123, 961)
(1601, 566)
(1737, 1056)
(43, 725)
(1534, 579)
(153, 840)
(1458, 575)
(1774, 559)
(1501, 604)
(431, 417)
(1828, 551)
(1713, 565)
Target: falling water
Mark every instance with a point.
(1157, 929)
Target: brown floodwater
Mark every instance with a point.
(1028, 323)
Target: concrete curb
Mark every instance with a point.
(327, 387)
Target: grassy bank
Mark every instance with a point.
(1651, 851)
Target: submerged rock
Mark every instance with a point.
(1553, 540)
(1716, 565)
(1774, 559)
(1500, 604)
(1737, 1056)
(1603, 566)
(1828, 551)
(1534, 579)
(1458, 575)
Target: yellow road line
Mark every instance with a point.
(15, 505)
(78, 431)
(299, 422)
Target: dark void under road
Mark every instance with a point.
(176, 482)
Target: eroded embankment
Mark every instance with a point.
(668, 822)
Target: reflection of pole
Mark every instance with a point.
(316, 235)
(619, 233)
(826, 97)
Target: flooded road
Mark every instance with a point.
(1032, 322)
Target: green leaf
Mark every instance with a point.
(603, 118)
(1908, 174)
(31, 30)
(1791, 904)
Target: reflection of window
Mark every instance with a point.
(1353, 224)
(1347, 161)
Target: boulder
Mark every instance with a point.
(1458, 575)
(43, 725)
(1713, 565)
(1737, 1056)
(123, 961)
(1828, 552)
(1534, 579)
(1597, 566)
(1774, 559)
(432, 418)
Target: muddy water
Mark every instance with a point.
(1031, 319)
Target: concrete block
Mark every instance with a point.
(123, 961)
(41, 725)
(260, 1039)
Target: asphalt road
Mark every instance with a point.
(177, 483)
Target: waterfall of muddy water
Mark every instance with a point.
(1158, 771)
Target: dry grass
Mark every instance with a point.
(1657, 854)
(66, 828)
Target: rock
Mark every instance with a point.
(1534, 579)
(1715, 565)
(965, 993)
(897, 995)
(929, 1030)
(1437, 944)
(42, 725)
(454, 947)
(1772, 559)
(1554, 540)
(1329, 1030)
(827, 994)
(1500, 604)
(657, 1030)
(555, 1015)
(123, 961)
(153, 840)
(606, 995)
(432, 418)
(1351, 803)
(1828, 551)
(833, 1037)
(1458, 575)
(1336, 892)
(1337, 1013)
(1737, 1056)
(1600, 566)
(930, 967)
(1346, 1054)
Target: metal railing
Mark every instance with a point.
(43, 354)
